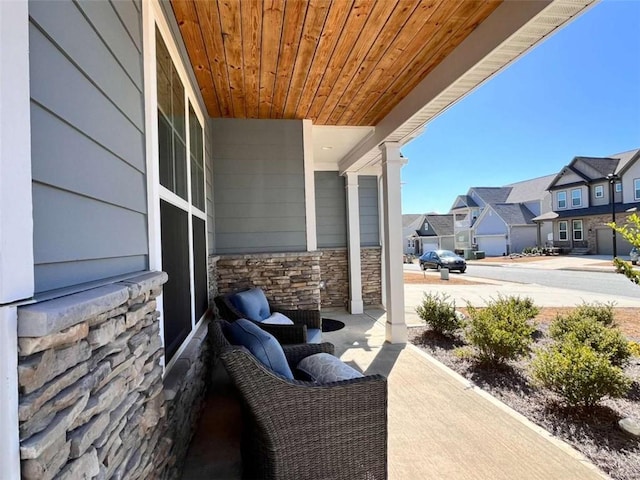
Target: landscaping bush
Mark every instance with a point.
(578, 374)
(589, 331)
(439, 313)
(634, 349)
(501, 331)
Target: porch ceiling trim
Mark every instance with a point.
(509, 32)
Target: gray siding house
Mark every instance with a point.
(500, 220)
(156, 153)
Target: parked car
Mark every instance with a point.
(442, 259)
(634, 254)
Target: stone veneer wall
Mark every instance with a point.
(371, 259)
(92, 403)
(289, 280)
(292, 280)
(334, 268)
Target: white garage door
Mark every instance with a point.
(492, 246)
(426, 246)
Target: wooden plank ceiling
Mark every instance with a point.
(336, 62)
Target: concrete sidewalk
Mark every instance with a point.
(440, 427)
(587, 263)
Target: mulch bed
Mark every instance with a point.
(595, 433)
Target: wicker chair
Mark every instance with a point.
(301, 430)
(286, 334)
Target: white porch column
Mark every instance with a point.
(16, 221)
(309, 185)
(353, 234)
(392, 162)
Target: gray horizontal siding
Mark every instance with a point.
(69, 227)
(66, 274)
(369, 212)
(331, 210)
(59, 149)
(88, 159)
(209, 187)
(258, 186)
(60, 87)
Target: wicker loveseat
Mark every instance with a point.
(305, 321)
(302, 430)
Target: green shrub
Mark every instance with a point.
(439, 313)
(602, 312)
(578, 374)
(634, 349)
(501, 331)
(589, 331)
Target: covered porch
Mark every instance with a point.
(440, 426)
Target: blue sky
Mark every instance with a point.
(577, 93)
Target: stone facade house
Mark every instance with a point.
(154, 153)
(587, 194)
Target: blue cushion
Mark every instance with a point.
(278, 318)
(252, 303)
(325, 368)
(261, 344)
(314, 335)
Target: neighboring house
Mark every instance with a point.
(411, 222)
(427, 232)
(587, 193)
(499, 220)
(156, 153)
(435, 232)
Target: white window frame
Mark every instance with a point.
(575, 230)
(562, 194)
(153, 17)
(565, 230)
(578, 197)
(618, 187)
(598, 191)
(636, 188)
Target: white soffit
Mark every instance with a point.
(401, 127)
(332, 143)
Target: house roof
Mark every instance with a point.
(514, 213)
(626, 159)
(466, 201)
(529, 190)
(442, 224)
(412, 220)
(492, 195)
(604, 166)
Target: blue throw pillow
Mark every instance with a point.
(252, 303)
(262, 345)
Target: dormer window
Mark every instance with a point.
(576, 197)
(562, 200)
(598, 191)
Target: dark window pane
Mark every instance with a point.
(178, 105)
(165, 152)
(174, 231)
(180, 165)
(200, 267)
(163, 70)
